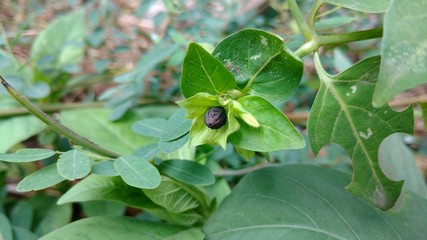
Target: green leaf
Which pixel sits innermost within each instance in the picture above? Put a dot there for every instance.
(171, 146)
(187, 171)
(20, 233)
(27, 155)
(151, 127)
(201, 72)
(368, 6)
(192, 233)
(148, 152)
(22, 215)
(18, 129)
(342, 113)
(104, 168)
(5, 228)
(309, 202)
(174, 196)
(113, 227)
(137, 172)
(177, 126)
(43, 178)
(96, 187)
(62, 40)
(404, 50)
(73, 165)
(103, 208)
(116, 136)
(275, 130)
(391, 154)
(56, 217)
(260, 63)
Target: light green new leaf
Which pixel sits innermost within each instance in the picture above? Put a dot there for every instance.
(73, 165)
(137, 172)
(342, 113)
(201, 72)
(260, 63)
(309, 202)
(96, 187)
(174, 196)
(27, 155)
(62, 40)
(43, 178)
(113, 227)
(404, 50)
(274, 133)
(368, 6)
(187, 171)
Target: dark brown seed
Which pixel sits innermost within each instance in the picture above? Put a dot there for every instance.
(215, 117)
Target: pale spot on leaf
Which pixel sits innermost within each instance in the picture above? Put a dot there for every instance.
(366, 135)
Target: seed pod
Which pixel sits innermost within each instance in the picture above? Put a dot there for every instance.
(215, 117)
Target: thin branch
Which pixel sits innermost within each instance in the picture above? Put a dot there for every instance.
(240, 172)
(299, 18)
(54, 125)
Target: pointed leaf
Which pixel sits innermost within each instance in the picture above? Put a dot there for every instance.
(259, 58)
(27, 155)
(342, 113)
(404, 50)
(201, 72)
(275, 130)
(113, 227)
(96, 187)
(187, 171)
(73, 165)
(137, 172)
(43, 178)
(309, 202)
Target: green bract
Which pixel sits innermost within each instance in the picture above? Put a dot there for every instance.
(257, 69)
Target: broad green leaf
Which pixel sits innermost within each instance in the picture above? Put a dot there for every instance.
(73, 165)
(201, 72)
(174, 196)
(22, 215)
(18, 128)
(56, 217)
(275, 130)
(188, 218)
(192, 233)
(309, 202)
(260, 63)
(137, 172)
(187, 171)
(20, 233)
(151, 127)
(116, 136)
(104, 168)
(5, 228)
(171, 146)
(177, 126)
(398, 162)
(103, 208)
(148, 152)
(62, 41)
(96, 187)
(43, 178)
(404, 50)
(27, 155)
(368, 6)
(113, 227)
(343, 113)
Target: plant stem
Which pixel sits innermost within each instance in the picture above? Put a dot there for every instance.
(334, 39)
(225, 173)
(311, 17)
(299, 18)
(54, 125)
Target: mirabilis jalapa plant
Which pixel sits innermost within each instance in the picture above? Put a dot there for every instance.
(244, 73)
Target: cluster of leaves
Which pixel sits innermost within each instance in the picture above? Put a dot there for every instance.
(164, 168)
